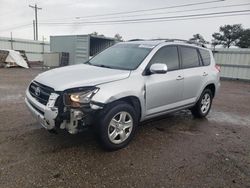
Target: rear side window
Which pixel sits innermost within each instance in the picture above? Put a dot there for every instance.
(167, 55)
(190, 57)
(205, 55)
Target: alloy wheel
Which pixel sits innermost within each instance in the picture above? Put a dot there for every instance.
(120, 127)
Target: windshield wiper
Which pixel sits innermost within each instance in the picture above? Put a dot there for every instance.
(101, 65)
(105, 66)
(88, 63)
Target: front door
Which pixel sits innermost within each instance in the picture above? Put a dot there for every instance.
(164, 91)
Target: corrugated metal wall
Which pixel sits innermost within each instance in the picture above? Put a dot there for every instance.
(64, 44)
(76, 45)
(235, 63)
(34, 49)
(80, 47)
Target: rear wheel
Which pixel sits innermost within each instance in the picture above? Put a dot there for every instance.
(117, 125)
(203, 105)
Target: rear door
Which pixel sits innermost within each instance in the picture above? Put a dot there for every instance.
(164, 91)
(193, 73)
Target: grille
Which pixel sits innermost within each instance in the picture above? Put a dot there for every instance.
(40, 92)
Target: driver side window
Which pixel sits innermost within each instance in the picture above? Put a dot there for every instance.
(167, 55)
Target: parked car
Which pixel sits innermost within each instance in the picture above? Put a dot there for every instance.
(125, 84)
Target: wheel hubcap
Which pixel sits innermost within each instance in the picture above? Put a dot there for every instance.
(205, 103)
(120, 127)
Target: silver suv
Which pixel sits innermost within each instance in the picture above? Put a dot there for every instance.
(125, 84)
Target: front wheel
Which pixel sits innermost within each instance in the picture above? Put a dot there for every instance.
(203, 105)
(117, 125)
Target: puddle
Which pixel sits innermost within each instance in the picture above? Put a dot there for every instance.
(228, 117)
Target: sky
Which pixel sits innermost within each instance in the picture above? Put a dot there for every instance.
(16, 16)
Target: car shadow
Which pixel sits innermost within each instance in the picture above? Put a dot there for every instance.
(169, 124)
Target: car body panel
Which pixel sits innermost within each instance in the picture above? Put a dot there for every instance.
(163, 91)
(80, 75)
(193, 81)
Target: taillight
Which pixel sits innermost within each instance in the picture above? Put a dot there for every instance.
(217, 67)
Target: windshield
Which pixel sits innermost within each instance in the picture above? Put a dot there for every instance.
(121, 56)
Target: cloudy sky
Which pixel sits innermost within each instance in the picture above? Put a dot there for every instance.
(62, 17)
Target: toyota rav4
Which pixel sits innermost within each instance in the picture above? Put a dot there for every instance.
(125, 84)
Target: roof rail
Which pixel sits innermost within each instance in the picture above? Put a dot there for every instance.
(144, 39)
(172, 40)
(135, 40)
(186, 41)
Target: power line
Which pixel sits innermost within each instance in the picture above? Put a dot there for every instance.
(174, 19)
(196, 18)
(178, 11)
(153, 9)
(16, 27)
(145, 10)
(190, 10)
(147, 19)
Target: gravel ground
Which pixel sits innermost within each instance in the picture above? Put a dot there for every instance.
(172, 151)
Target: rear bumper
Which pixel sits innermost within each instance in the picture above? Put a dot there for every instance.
(217, 87)
(44, 114)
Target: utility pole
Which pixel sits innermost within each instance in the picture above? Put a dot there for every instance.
(34, 29)
(11, 41)
(36, 23)
(43, 44)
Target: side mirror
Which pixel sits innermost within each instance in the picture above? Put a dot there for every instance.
(158, 68)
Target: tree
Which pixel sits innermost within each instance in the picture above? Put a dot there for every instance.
(118, 37)
(94, 33)
(229, 35)
(214, 43)
(199, 38)
(97, 34)
(244, 41)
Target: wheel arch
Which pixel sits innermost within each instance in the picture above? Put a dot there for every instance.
(134, 102)
(212, 87)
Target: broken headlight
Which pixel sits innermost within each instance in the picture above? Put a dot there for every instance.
(79, 99)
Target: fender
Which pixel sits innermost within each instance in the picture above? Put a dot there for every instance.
(110, 92)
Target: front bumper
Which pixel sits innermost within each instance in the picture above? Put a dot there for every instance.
(45, 114)
(51, 117)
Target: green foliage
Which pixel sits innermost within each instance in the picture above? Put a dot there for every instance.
(199, 38)
(94, 33)
(97, 34)
(229, 35)
(244, 41)
(118, 37)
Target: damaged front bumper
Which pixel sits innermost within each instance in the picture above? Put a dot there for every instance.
(51, 117)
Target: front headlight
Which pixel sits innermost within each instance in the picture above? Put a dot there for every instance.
(79, 99)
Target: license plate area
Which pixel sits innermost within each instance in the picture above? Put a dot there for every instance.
(52, 100)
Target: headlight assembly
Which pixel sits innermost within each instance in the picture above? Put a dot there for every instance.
(79, 99)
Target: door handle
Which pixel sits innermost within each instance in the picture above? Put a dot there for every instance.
(205, 74)
(179, 78)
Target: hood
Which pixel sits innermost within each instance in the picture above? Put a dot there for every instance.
(79, 76)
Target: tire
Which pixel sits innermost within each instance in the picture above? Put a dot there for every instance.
(116, 125)
(203, 105)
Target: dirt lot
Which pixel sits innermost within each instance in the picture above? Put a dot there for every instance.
(174, 151)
